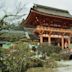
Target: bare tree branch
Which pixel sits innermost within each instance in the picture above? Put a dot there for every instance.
(19, 8)
(13, 16)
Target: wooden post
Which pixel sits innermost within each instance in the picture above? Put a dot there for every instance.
(62, 42)
(49, 39)
(41, 39)
(68, 41)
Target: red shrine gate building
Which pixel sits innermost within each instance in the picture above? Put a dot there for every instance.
(51, 25)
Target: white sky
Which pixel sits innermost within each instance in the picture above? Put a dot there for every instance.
(62, 4)
(10, 6)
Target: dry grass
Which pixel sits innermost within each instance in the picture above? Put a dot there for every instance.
(41, 69)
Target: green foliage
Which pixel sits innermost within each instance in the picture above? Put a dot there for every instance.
(3, 67)
(60, 56)
(41, 69)
(15, 59)
(56, 57)
(65, 56)
(50, 63)
(20, 59)
(12, 37)
(49, 49)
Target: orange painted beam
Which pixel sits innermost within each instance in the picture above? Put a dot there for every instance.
(50, 29)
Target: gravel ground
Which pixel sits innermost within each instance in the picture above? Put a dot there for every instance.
(65, 69)
(66, 66)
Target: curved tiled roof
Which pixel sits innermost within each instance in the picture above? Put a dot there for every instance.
(51, 10)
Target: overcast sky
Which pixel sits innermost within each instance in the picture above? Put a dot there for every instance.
(11, 6)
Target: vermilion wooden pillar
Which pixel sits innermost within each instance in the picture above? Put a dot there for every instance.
(49, 40)
(68, 41)
(62, 42)
(41, 39)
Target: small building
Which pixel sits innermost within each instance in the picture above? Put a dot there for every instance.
(51, 25)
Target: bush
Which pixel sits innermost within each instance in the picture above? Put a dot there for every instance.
(50, 63)
(3, 66)
(59, 57)
(15, 58)
(40, 69)
(49, 49)
(65, 56)
(56, 57)
(34, 63)
(20, 58)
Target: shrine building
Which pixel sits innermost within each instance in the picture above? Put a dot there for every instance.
(51, 25)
